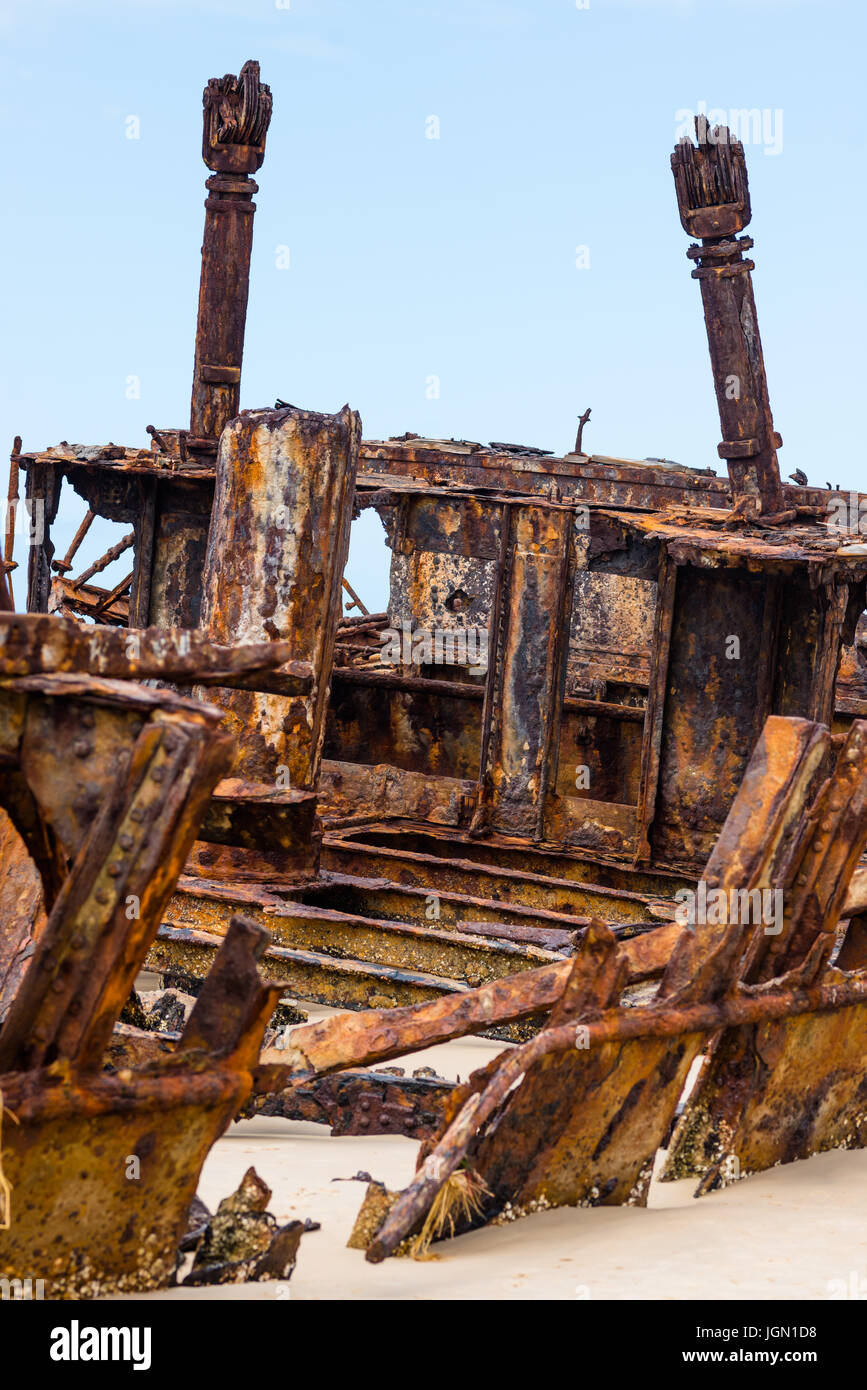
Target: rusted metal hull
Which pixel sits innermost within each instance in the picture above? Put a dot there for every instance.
(81, 1220)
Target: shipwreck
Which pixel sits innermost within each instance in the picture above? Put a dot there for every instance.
(644, 689)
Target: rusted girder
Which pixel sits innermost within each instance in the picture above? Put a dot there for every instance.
(526, 668)
(65, 565)
(31, 645)
(113, 553)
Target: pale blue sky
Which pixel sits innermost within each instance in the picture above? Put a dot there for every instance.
(412, 257)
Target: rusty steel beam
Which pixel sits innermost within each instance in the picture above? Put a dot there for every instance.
(372, 791)
(426, 466)
(526, 669)
(65, 565)
(31, 644)
(499, 885)
(113, 553)
(377, 1035)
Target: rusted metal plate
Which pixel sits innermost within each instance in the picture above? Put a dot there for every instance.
(590, 479)
(276, 553)
(77, 1218)
(276, 821)
(413, 727)
(526, 670)
(713, 714)
(774, 1093)
(178, 550)
(350, 790)
(32, 645)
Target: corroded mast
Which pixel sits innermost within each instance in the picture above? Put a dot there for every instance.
(237, 112)
(714, 203)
